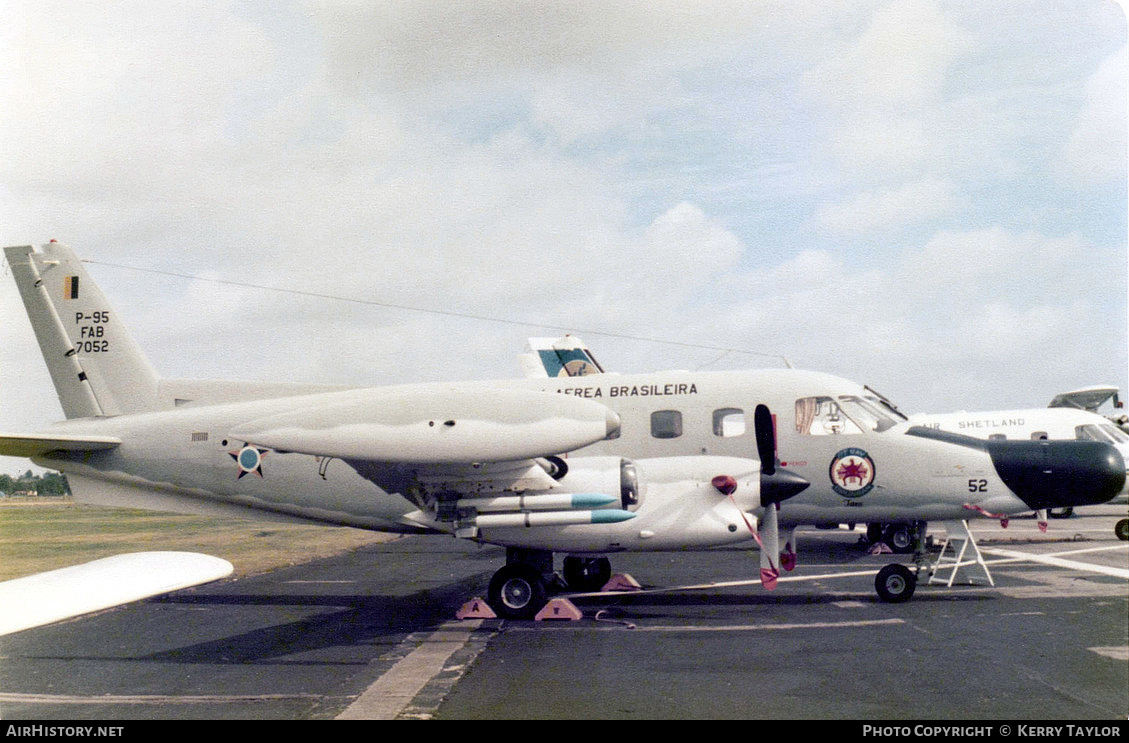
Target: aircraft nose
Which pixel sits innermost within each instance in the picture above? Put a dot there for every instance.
(1055, 474)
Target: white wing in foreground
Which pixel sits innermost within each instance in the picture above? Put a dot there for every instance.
(48, 597)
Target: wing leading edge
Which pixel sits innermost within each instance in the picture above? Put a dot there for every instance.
(49, 597)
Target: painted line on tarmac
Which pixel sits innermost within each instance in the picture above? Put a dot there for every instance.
(1117, 653)
(394, 691)
(1056, 560)
(159, 699)
(732, 627)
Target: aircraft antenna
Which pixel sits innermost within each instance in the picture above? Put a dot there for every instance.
(450, 313)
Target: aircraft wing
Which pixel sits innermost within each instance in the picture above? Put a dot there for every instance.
(49, 597)
(34, 445)
(1087, 398)
(429, 426)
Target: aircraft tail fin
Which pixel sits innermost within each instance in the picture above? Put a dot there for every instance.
(96, 366)
(559, 357)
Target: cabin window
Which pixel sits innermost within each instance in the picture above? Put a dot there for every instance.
(1039, 436)
(666, 424)
(728, 422)
(997, 437)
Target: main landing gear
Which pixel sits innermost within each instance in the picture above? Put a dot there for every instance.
(522, 587)
(898, 537)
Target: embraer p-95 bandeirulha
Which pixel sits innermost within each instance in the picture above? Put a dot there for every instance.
(585, 466)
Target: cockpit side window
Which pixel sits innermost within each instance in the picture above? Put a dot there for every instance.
(828, 416)
(822, 416)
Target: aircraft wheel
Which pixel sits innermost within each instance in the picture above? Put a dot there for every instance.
(1121, 529)
(1060, 513)
(900, 538)
(895, 583)
(585, 574)
(517, 591)
(874, 532)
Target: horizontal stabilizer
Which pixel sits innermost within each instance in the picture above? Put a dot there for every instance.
(34, 444)
(49, 597)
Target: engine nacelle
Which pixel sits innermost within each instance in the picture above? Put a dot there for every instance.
(675, 503)
(613, 476)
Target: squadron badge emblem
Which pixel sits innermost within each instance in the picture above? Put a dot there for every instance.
(852, 473)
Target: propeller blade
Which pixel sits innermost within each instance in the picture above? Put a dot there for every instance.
(769, 533)
(766, 439)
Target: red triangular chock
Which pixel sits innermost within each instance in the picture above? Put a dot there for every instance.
(476, 608)
(881, 548)
(622, 582)
(559, 609)
(788, 561)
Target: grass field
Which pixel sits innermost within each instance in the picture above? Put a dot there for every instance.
(48, 533)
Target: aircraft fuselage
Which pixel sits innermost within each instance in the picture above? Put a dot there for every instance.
(185, 458)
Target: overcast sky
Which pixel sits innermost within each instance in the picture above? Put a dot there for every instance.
(928, 197)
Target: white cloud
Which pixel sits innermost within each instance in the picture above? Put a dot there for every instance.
(885, 87)
(889, 210)
(712, 174)
(1096, 151)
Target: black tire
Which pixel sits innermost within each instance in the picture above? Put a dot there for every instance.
(900, 538)
(586, 574)
(874, 532)
(895, 583)
(1060, 513)
(517, 591)
(1121, 529)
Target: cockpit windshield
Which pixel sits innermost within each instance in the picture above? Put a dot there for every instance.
(845, 414)
(1104, 432)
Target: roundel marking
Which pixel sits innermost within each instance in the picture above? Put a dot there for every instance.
(250, 461)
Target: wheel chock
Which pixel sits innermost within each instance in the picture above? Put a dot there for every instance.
(559, 608)
(476, 608)
(880, 548)
(622, 582)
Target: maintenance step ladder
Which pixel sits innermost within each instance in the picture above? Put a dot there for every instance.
(959, 551)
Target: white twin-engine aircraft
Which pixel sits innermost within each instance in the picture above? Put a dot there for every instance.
(582, 465)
